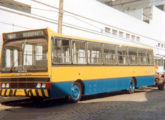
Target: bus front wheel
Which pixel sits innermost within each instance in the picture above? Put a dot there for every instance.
(76, 92)
(132, 86)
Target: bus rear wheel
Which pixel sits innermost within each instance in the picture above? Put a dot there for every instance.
(76, 92)
(132, 86)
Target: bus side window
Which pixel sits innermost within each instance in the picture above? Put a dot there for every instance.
(78, 52)
(61, 51)
(122, 55)
(142, 59)
(109, 54)
(150, 57)
(132, 54)
(94, 53)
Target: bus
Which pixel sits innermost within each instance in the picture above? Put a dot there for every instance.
(43, 64)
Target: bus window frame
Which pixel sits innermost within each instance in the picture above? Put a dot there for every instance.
(46, 38)
(102, 63)
(105, 46)
(123, 48)
(136, 57)
(77, 53)
(60, 38)
(142, 49)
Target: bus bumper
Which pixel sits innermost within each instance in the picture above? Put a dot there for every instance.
(24, 93)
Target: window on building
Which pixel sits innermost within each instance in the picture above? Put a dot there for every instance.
(107, 30)
(138, 39)
(127, 36)
(114, 32)
(158, 44)
(162, 45)
(161, 7)
(133, 37)
(121, 34)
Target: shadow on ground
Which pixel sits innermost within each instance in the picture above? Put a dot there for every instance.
(39, 103)
(27, 102)
(151, 109)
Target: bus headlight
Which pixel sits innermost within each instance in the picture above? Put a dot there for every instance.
(38, 85)
(3, 85)
(7, 85)
(43, 85)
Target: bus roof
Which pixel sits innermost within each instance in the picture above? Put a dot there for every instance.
(95, 40)
(81, 38)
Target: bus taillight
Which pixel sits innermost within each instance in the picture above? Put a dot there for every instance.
(4, 85)
(48, 85)
(43, 85)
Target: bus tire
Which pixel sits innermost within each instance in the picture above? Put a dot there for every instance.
(76, 92)
(132, 86)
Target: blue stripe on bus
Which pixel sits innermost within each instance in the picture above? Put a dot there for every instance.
(61, 89)
(145, 81)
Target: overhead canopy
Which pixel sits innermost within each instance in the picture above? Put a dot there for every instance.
(133, 4)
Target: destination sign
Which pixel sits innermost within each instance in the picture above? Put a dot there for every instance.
(27, 34)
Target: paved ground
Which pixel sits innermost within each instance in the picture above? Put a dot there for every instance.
(145, 104)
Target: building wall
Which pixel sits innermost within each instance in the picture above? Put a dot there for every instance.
(83, 18)
(138, 13)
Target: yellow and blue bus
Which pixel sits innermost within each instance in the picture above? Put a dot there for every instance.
(44, 64)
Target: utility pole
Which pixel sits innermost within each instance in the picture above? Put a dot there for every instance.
(60, 16)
